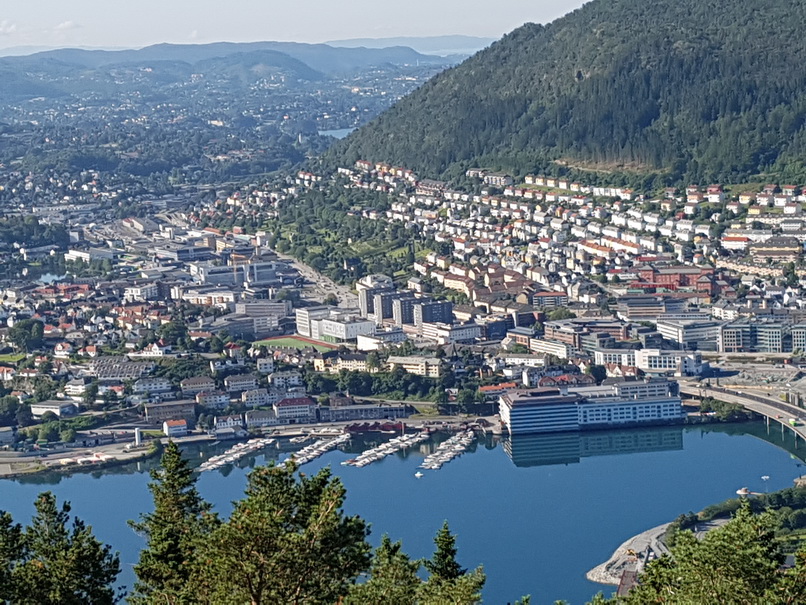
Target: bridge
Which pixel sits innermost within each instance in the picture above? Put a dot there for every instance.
(771, 409)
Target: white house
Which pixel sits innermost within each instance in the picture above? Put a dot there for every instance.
(175, 428)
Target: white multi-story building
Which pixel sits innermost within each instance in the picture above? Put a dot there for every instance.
(254, 398)
(213, 399)
(558, 349)
(617, 356)
(444, 334)
(265, 365)
(308, 320)
(658, 361)
(285, 380)
(342, 330)
(416, 364)
(691, 334)
(152, 384)
(240, 382)
(378, 340)
(295, 409)
(141, 292)
(260, 418)
(234, 421)
(548, 411)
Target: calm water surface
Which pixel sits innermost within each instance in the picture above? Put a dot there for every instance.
(537, 512)
(338, 133)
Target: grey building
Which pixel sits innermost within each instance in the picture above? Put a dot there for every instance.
(433, 311)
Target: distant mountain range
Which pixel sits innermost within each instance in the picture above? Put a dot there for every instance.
(428, 45)
(694, 90)
(68, 71)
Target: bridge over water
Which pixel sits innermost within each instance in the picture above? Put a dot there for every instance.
(770, 408)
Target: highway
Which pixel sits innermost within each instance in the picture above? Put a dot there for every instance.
(766, 406)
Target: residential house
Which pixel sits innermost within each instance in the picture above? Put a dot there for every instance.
(175, 428)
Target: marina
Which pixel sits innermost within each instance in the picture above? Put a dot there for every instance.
(448, 450)
(235, 453)
(319, 447)
(390, 447)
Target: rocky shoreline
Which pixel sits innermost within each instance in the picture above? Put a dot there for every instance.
(631, 555)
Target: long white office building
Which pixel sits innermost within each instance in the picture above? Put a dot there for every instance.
(547, 410)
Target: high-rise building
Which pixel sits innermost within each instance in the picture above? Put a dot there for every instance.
(428, 310)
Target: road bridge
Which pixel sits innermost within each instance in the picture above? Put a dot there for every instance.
(771, 409)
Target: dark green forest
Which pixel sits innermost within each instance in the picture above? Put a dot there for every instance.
(684, 90)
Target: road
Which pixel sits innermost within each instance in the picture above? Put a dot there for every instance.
(323, 284)
(765, 406)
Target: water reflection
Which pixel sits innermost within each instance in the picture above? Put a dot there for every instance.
(523, 450)
(570, 448)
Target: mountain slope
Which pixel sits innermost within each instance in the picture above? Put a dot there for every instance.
(696, 89)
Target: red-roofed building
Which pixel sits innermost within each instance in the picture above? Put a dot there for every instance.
(494, 391)
(175, 428)
(566, 380)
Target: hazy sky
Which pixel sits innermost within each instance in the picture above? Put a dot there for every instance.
(133, 23)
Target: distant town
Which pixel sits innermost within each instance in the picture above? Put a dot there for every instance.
(538, 296)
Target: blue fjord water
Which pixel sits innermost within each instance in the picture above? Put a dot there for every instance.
(537, 512)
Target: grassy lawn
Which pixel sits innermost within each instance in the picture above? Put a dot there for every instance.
(425, 409)
(12, 357)
(295, 343)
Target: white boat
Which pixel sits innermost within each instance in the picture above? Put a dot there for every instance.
(418, 474)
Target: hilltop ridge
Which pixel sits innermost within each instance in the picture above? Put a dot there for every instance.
(702, 90)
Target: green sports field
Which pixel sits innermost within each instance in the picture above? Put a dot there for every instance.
(295, 343)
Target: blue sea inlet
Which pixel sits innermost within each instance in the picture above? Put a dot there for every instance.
(537, 511)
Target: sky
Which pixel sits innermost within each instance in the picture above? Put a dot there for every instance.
(137, 23)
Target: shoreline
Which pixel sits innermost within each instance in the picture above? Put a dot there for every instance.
(623, 559)
(646, 546)
(38, 468)
(16, 467)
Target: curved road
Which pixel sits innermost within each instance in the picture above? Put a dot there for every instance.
(765, 406)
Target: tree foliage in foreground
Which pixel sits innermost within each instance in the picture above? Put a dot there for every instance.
(173, 533)
(394, 579)
(53, 561)
(288, 541)
(739, 563)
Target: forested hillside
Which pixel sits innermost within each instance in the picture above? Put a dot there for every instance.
(701, 90)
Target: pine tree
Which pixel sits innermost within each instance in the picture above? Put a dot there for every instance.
(464, 590)
(10, 553)
(449, 582)
(181, 518)
(288, 541)
(443, 564)
(393, 578)
(54, 562)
